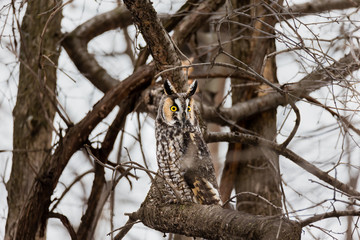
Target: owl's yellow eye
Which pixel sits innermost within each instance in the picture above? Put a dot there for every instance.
(173, 108)
(189, 108)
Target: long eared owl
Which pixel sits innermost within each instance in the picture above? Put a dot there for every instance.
(183, 157)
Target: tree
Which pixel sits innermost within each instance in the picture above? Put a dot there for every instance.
(249, 44)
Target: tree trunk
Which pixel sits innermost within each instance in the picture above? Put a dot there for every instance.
(249, 168)
(34, 110)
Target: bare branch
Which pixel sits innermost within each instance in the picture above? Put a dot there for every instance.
(319, 7)
(195, 20)
(65, 221)
(312, 82)
(39, 196)
(258, 141)
(63, 194)
(346, 123)
(252, 194)
(89, 219)
(297, 123)
(75, 44)
(125, 229)
(337, 214)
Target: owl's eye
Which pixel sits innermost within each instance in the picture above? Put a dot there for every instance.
(189, 108)
(173, 108)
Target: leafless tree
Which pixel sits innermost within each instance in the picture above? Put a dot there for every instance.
(290, 72)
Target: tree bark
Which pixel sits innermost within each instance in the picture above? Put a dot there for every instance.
(37, 204)
(248, 168)
(158, 41)
(214, 222)
(34, 110)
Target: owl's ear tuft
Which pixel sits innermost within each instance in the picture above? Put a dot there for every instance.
(192, 89)
(169, 88)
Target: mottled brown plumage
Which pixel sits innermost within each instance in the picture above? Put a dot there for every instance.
(183, 157)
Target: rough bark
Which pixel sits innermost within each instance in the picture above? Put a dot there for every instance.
(247, 168)
(214, 222)
(241, 50)
(34, 110)
(158, 41)
(180, 218)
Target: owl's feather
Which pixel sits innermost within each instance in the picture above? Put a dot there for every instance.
(183, 157)
(205, 193)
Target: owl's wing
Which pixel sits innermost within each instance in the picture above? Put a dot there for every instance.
(204, 192)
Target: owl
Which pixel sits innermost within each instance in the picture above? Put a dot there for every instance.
(183, 157)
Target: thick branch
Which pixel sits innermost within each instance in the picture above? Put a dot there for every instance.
(159, 42)
(34, 111)
(312, 82)
(94, 206)
(214, 222)
(257, 141)
(195, 20)
(39, 197)
(75, 44)
(319, 7)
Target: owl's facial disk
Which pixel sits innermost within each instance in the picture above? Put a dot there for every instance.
(178, 110)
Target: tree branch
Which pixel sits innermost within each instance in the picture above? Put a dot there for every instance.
(38, 200)
(337, 214)
(75, 44)
(159, 42)
(297, 10)
(195, 20)
(258, 141)
(65, 221)
(90, 218)
(312, 82)
(214, 222)
(346, 123)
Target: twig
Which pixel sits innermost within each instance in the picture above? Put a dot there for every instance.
(65, 221)
(140, 141)
(252, 194)
(125, 229)
(254, 140)
(337, 214)
(297, 123)
(346, 123)
(78, 178)
(89, 152)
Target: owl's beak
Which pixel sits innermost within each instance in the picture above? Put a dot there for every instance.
(183, 117)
